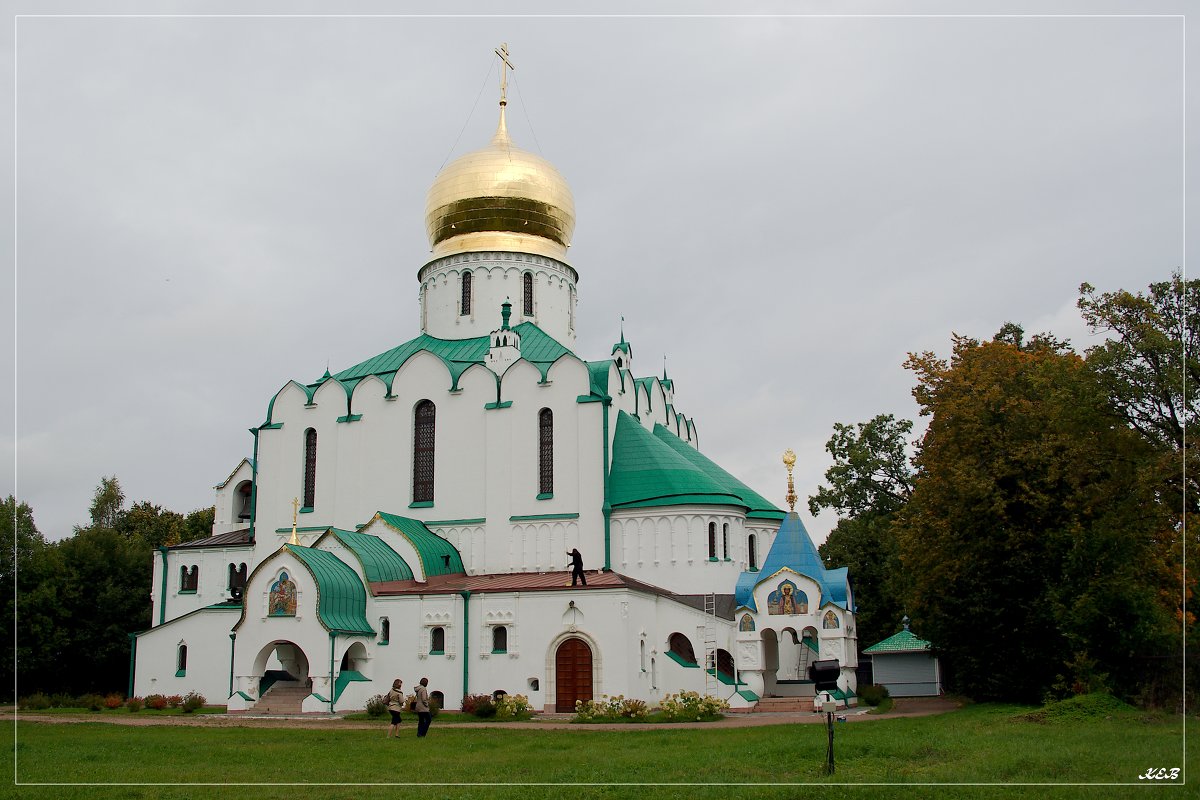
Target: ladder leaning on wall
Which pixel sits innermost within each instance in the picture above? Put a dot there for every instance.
(710, 645)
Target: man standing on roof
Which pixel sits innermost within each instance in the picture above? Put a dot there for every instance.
(576, 566)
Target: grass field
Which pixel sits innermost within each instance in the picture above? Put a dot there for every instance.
(978, 744)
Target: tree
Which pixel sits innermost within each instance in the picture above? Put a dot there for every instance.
(1031, 542)
(869, 481)
(871, 473)
(21, 546)
(108, 504)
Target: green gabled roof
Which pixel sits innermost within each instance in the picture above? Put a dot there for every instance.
(646, 472)
(379, 561)
(902, 642)
(760, 507)
(431, 548)
(342, 598)
(537, 347)
(645, 383)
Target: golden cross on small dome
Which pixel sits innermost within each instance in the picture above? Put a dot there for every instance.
(295, 509)
(505, 66)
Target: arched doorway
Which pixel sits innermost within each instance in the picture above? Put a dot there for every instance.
(280, 661)
(572, 674)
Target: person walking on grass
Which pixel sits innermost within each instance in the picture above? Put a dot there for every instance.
(424, 715)
(395, 704)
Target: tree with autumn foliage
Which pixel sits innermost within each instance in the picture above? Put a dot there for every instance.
(1038, 555)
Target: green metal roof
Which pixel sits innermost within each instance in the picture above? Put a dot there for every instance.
(341, 596)
(599, 372)
(379, 561)
(646, 472)
(432, 549)
(902, 642)
(760, 507)
(537, 347)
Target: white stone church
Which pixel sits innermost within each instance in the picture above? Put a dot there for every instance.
(411, 515)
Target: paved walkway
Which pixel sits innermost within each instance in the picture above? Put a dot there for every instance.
(906, 707)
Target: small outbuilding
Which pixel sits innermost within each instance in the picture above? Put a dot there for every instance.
(906, 665)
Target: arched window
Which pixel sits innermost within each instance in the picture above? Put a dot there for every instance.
(237, 576)
(725, 663)
(437, 642)
(725, 540)
(653, 675)
(385, 630)
(499, 639)
(642, 655)
(181, 661)
(310, 468)
(712, 541)
(189, 579)
(466, 294)
(241, 500)
(545, 452)
(438, 699)
(527, 294)
(423, 431)
(752, 548)
(681, 646)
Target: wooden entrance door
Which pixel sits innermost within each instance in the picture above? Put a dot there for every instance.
(573, 674)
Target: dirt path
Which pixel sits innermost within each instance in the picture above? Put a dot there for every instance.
(907, 707)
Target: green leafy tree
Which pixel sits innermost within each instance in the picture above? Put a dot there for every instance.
(198, 524)
(151, 524)
(108, 504)
(21, 548)
(1031, 544)
(870, 480)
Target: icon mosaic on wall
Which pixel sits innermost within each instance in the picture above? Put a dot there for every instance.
(787, 599)
(282, 599)
(746, 623)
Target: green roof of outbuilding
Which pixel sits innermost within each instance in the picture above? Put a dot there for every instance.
(537, 347)
(379, 561)
(438, 556)
(646, 472)
(342, 598)
(760, 507)
(902, 642)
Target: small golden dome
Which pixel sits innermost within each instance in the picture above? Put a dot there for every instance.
(500, 198)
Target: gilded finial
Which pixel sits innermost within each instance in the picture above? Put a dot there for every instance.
(505, 66)
(295, 511)
(789, 461)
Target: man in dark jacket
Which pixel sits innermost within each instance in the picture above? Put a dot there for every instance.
(576, 567)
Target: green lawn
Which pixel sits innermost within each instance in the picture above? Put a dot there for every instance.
(983, 744)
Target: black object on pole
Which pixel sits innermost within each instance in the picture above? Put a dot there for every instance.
(825, 674)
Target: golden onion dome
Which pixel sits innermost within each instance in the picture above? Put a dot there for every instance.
(500, 198)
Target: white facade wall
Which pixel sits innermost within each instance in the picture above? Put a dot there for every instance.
(212, 586)
(229, 503)
(206, 635)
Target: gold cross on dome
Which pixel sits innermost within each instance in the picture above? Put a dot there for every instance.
(505, 66)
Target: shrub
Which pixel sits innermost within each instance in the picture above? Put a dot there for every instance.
(156, 702)
(92, 702)
(193, 701)
(174, 700)
(512, 706)
(610, 708)
(113, 700)
(473, 701)
(688, 706)
(64, 700)
(134, 704)
(873, 695)
(35, 702)
(376, 706)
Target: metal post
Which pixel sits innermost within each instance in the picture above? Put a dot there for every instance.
(829, 757)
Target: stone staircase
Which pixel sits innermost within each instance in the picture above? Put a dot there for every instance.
(782, 704)
(284, 697)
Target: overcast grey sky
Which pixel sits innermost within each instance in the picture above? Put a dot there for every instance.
(208, 207)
